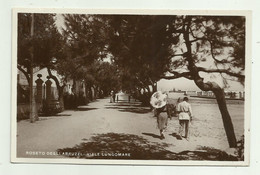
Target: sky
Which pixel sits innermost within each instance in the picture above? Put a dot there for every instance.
(59, 21)
(185, 84)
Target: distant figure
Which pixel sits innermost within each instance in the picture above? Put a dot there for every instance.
(111, 96)
(114, 97)
(185, 116)
(117, 97)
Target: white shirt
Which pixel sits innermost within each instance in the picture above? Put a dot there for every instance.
(185, 110)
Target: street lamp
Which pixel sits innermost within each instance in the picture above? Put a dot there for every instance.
(33, 110)
(53, 60)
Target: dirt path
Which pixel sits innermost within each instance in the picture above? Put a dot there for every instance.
(109, 127)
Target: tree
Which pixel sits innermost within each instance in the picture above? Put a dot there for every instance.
(140, 48)
(220, 40)
(101, 76)
(146, 48)
(107, 77)
(38, 43)
(83, 46)
(171, 47)
(44, 44)
(84, 38)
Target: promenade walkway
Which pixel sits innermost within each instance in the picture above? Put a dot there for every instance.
(103, 127)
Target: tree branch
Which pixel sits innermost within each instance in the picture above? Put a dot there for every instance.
(210, 43)
(211, 47)
(54, 78)
(178, 75)
(181, 54)
(221, 71)
(81, 57)
(212, 54)
(24, 72)
(179, 31)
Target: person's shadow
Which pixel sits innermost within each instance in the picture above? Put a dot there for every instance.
(152, 135)
(178, 137)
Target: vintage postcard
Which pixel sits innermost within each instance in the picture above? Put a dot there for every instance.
(139, 87)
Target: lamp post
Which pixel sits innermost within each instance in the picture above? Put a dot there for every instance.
(53, 60)
(33, 110)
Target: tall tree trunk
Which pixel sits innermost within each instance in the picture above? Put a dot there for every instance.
(95, 92)
(90, 94)
(59, 87)
(145, 97)
(86, 93)
(154, 87)
(60, 98)
(74, 88)
(220, 97)
(148, 91)
(26, 73)
(228, 125)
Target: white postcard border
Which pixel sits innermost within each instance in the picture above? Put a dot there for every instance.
(247, 113)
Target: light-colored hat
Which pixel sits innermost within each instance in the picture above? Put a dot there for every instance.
(158, 99)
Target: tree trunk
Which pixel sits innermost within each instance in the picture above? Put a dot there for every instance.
(90, 93)
(220, 96)
(59, 87)
(154, 87)
(61, 99)
(26, 73)
(95, 92)
(86, 94)
(144, 97)
(148, 91)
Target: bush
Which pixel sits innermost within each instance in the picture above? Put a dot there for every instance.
(240, 148)
(51, 108)
(23, 111)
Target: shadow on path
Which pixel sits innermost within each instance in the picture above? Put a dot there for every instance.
(139, 110)
(116, 146)
(178, 137)
(84, 109)
(152, 135)
(207, 153)
(124, 104)
(112, 143)
(129, 107)
(54, 115)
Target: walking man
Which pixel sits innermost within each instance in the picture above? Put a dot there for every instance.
(185, 116)
(111, 97)
(114, 97)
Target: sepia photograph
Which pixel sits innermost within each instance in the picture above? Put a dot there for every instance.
(139, 87)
